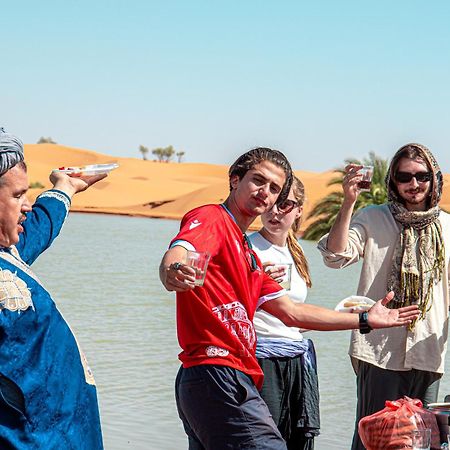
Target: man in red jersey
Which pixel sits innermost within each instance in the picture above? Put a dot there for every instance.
(217, 385)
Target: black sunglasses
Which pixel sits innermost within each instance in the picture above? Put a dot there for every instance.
(286, 206)
(250, 256)
(406, 177)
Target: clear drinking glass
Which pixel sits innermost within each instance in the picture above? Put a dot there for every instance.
(421, 439)
(365, 183)
(286, 281)
(199, 261)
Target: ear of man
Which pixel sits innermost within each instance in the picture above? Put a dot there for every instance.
(234, 180)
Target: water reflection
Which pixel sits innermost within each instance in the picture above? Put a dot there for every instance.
(103, 274)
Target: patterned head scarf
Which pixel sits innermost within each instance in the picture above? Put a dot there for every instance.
(419, 257)
(11, 151)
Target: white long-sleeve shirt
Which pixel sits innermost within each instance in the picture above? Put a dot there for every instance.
(373, 236)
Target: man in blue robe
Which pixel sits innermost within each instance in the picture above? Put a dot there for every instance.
(48, 398)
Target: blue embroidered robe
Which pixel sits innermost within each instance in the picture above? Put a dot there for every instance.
(48, 398)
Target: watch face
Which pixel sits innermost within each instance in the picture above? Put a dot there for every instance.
(364, 326)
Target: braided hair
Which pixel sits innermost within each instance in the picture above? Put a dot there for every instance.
(301, 264)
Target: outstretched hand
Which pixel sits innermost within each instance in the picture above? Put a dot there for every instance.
(72, 185)
(382, 317)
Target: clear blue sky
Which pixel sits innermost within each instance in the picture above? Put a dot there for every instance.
(319, 80)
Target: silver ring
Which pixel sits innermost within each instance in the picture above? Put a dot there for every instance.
(176, 265)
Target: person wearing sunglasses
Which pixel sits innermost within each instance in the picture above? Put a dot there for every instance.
(288, 360)
(405, 248)
(216, 388)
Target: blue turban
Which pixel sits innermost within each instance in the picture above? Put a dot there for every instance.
(11, 151)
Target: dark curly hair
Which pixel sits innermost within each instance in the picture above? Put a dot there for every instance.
(257, 155)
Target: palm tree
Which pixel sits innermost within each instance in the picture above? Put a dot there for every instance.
(144, 151)
(168, 153)
(164, 153)
(326, 210)
(159, 153)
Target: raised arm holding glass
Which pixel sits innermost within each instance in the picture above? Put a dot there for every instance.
(405, 248)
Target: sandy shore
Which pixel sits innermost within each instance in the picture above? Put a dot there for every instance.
(154, 189)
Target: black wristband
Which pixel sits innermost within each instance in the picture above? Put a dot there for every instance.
(364, 326)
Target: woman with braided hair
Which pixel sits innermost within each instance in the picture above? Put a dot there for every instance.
(405, 247)
(288, 360)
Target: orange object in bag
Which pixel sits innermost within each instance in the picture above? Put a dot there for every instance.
(392, 427)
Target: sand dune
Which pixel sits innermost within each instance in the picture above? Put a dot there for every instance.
(154, 189)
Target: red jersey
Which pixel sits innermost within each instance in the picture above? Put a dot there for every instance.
(215, 321)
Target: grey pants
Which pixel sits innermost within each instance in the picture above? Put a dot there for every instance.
(376, 385)
(221, 408)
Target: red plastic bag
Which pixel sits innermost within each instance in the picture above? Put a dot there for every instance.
(391, 427)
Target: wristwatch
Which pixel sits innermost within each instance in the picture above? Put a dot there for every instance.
(364, 326)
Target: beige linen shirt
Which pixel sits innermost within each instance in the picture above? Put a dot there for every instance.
(373, 236)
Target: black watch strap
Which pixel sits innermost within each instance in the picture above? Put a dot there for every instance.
(364, 326)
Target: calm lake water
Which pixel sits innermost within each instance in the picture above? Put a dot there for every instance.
(103, 273)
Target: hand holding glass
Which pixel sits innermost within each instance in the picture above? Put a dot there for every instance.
(365, 183)
(285, 282)
(199, 262)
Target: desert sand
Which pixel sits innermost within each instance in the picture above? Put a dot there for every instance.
(155, 189)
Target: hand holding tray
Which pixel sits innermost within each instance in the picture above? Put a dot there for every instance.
(89, 170)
